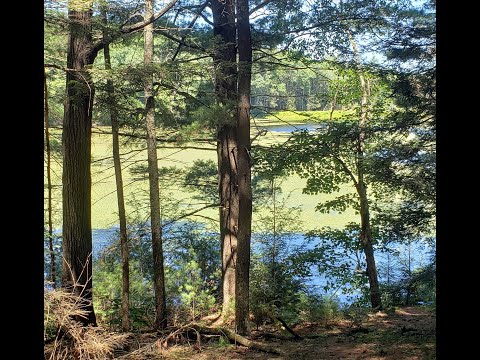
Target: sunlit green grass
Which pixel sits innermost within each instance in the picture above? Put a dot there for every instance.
(104, 202)
(299, 117)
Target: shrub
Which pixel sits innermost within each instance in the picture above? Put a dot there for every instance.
(317, 308)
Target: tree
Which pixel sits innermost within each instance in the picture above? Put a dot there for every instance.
(49, 186)
(224, 59)
(409, 164)
(337, 153)
(361, 187)
(155, 220)
(392, 146)
(119, 183)
(242, 270)
(224, 113)
(342, 22)
(76, 143)
(277, 279)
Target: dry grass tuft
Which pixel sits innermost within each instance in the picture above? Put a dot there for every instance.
(66, 338)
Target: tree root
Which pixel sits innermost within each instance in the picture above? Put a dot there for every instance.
(200, 330)
(197, 331)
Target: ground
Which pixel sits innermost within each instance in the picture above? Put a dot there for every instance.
(406, 333)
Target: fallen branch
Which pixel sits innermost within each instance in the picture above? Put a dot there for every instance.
(295, 335)
(201, 330)
(236, 338)
(163, 343)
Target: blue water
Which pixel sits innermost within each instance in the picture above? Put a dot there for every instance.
(419, 256)
(289, 128)
(101, 238)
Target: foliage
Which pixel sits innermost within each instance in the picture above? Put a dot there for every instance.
(338, 258)
(216, 115)
(276, 283)
(274, 291)
(397, 152)
(192, 271)
(291, 85)
(417, 286)
(315, 72)
(202, 179)
(301, 117)
(316, 308)
(107, 285)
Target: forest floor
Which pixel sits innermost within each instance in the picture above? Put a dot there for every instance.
(407, 333)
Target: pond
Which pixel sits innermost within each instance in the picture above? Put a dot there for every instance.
(387, 265)
(287, 128)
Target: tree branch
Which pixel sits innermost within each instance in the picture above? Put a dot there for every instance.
(136, 136)
(141, 25)
(132, 28)
(189, 27)
(259, 6)
(59, 67)
(190, 213)
(346, 169)
(290, 330)
(183, 93)
(179, 41)
(207, 20)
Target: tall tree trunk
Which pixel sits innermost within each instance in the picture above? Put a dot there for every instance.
(119, 184)
(409, 276)
(76, 144)
(244, 173)
(365, 228)
(226, 94)
(366, 240)
(274, 242)
(227, 153)
(155, 218)
(49, 188)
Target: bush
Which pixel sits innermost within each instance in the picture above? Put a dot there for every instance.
(317, 308)
(417, 287)
(192, 270)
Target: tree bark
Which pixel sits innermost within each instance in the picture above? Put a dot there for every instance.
(49, 187)
(244, 173)
(76, 144)
(366, 240)
(227, 153)
(155, 217)
(224, 60)
(119, 186)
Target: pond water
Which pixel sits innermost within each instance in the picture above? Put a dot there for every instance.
(287, 128)
(418, 250)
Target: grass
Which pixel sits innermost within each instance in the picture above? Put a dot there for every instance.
(104, 202)
(299, 117)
